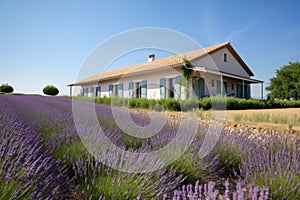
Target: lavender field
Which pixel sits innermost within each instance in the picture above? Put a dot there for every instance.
(42, 157)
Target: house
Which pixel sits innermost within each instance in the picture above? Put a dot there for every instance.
(214, 70)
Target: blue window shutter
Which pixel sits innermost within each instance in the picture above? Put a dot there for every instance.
(98, 91)
(162, 88)
(248, 93)
(110, 89)
(144, 89)
(120, 88)
(130, 89)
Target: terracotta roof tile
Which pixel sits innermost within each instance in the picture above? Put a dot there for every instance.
(167, 62)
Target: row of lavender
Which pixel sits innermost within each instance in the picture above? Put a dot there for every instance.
(270, 162)
(27, 168)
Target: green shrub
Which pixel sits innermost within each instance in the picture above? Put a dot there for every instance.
(131, 142)
(280, 185)
(118, 101)
(218, 103)
(205, 103)
(157, 107)
(143, 103)
(232, 103)
(50, 90)
(173, 104)
(243, 104)
(192, 167)
(103, 100)
(230, 159)
(189, 104)
(7, 190)
(70, 151)
(152, 103)
(5, 88)
(113, 186)
(132, 103)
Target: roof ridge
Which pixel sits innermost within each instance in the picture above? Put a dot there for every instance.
(172, 60)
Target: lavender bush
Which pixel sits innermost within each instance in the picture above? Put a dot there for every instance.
(274, 162)
(27, 170)
(42, 157)
(208, 191)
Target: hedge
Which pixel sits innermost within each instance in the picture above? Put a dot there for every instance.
(217, 103)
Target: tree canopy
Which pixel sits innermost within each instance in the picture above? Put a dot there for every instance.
(286, 83)
(6, 88)
(50, 90)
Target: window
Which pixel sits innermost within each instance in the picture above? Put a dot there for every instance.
(98, 91)
(120, 90)
(232, 86)
(92, 91)
(212, 83)
(177, 87)
(130, 87)
(144, 89)
(162, 88)
(110, 89)
(138, 90)
(225, 57)
(115, 90)
(223, 89)
(86, 91)
(172, 87)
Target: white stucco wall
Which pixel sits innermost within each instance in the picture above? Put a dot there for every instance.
(153, 83)
(215, 61)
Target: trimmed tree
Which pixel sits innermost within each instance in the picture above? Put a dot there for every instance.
(50, 90)
(5, 88)
(286, 83)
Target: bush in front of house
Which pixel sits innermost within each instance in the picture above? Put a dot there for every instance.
(5, 88)
(117, 101)
(189, 104)
(50, 90)
(206, 103)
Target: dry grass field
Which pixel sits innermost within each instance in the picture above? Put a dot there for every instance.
(277, 119)
(284, 120)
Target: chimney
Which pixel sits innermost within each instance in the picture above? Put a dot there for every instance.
(151, 57)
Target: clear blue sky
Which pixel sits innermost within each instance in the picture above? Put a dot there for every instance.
(45, 42)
